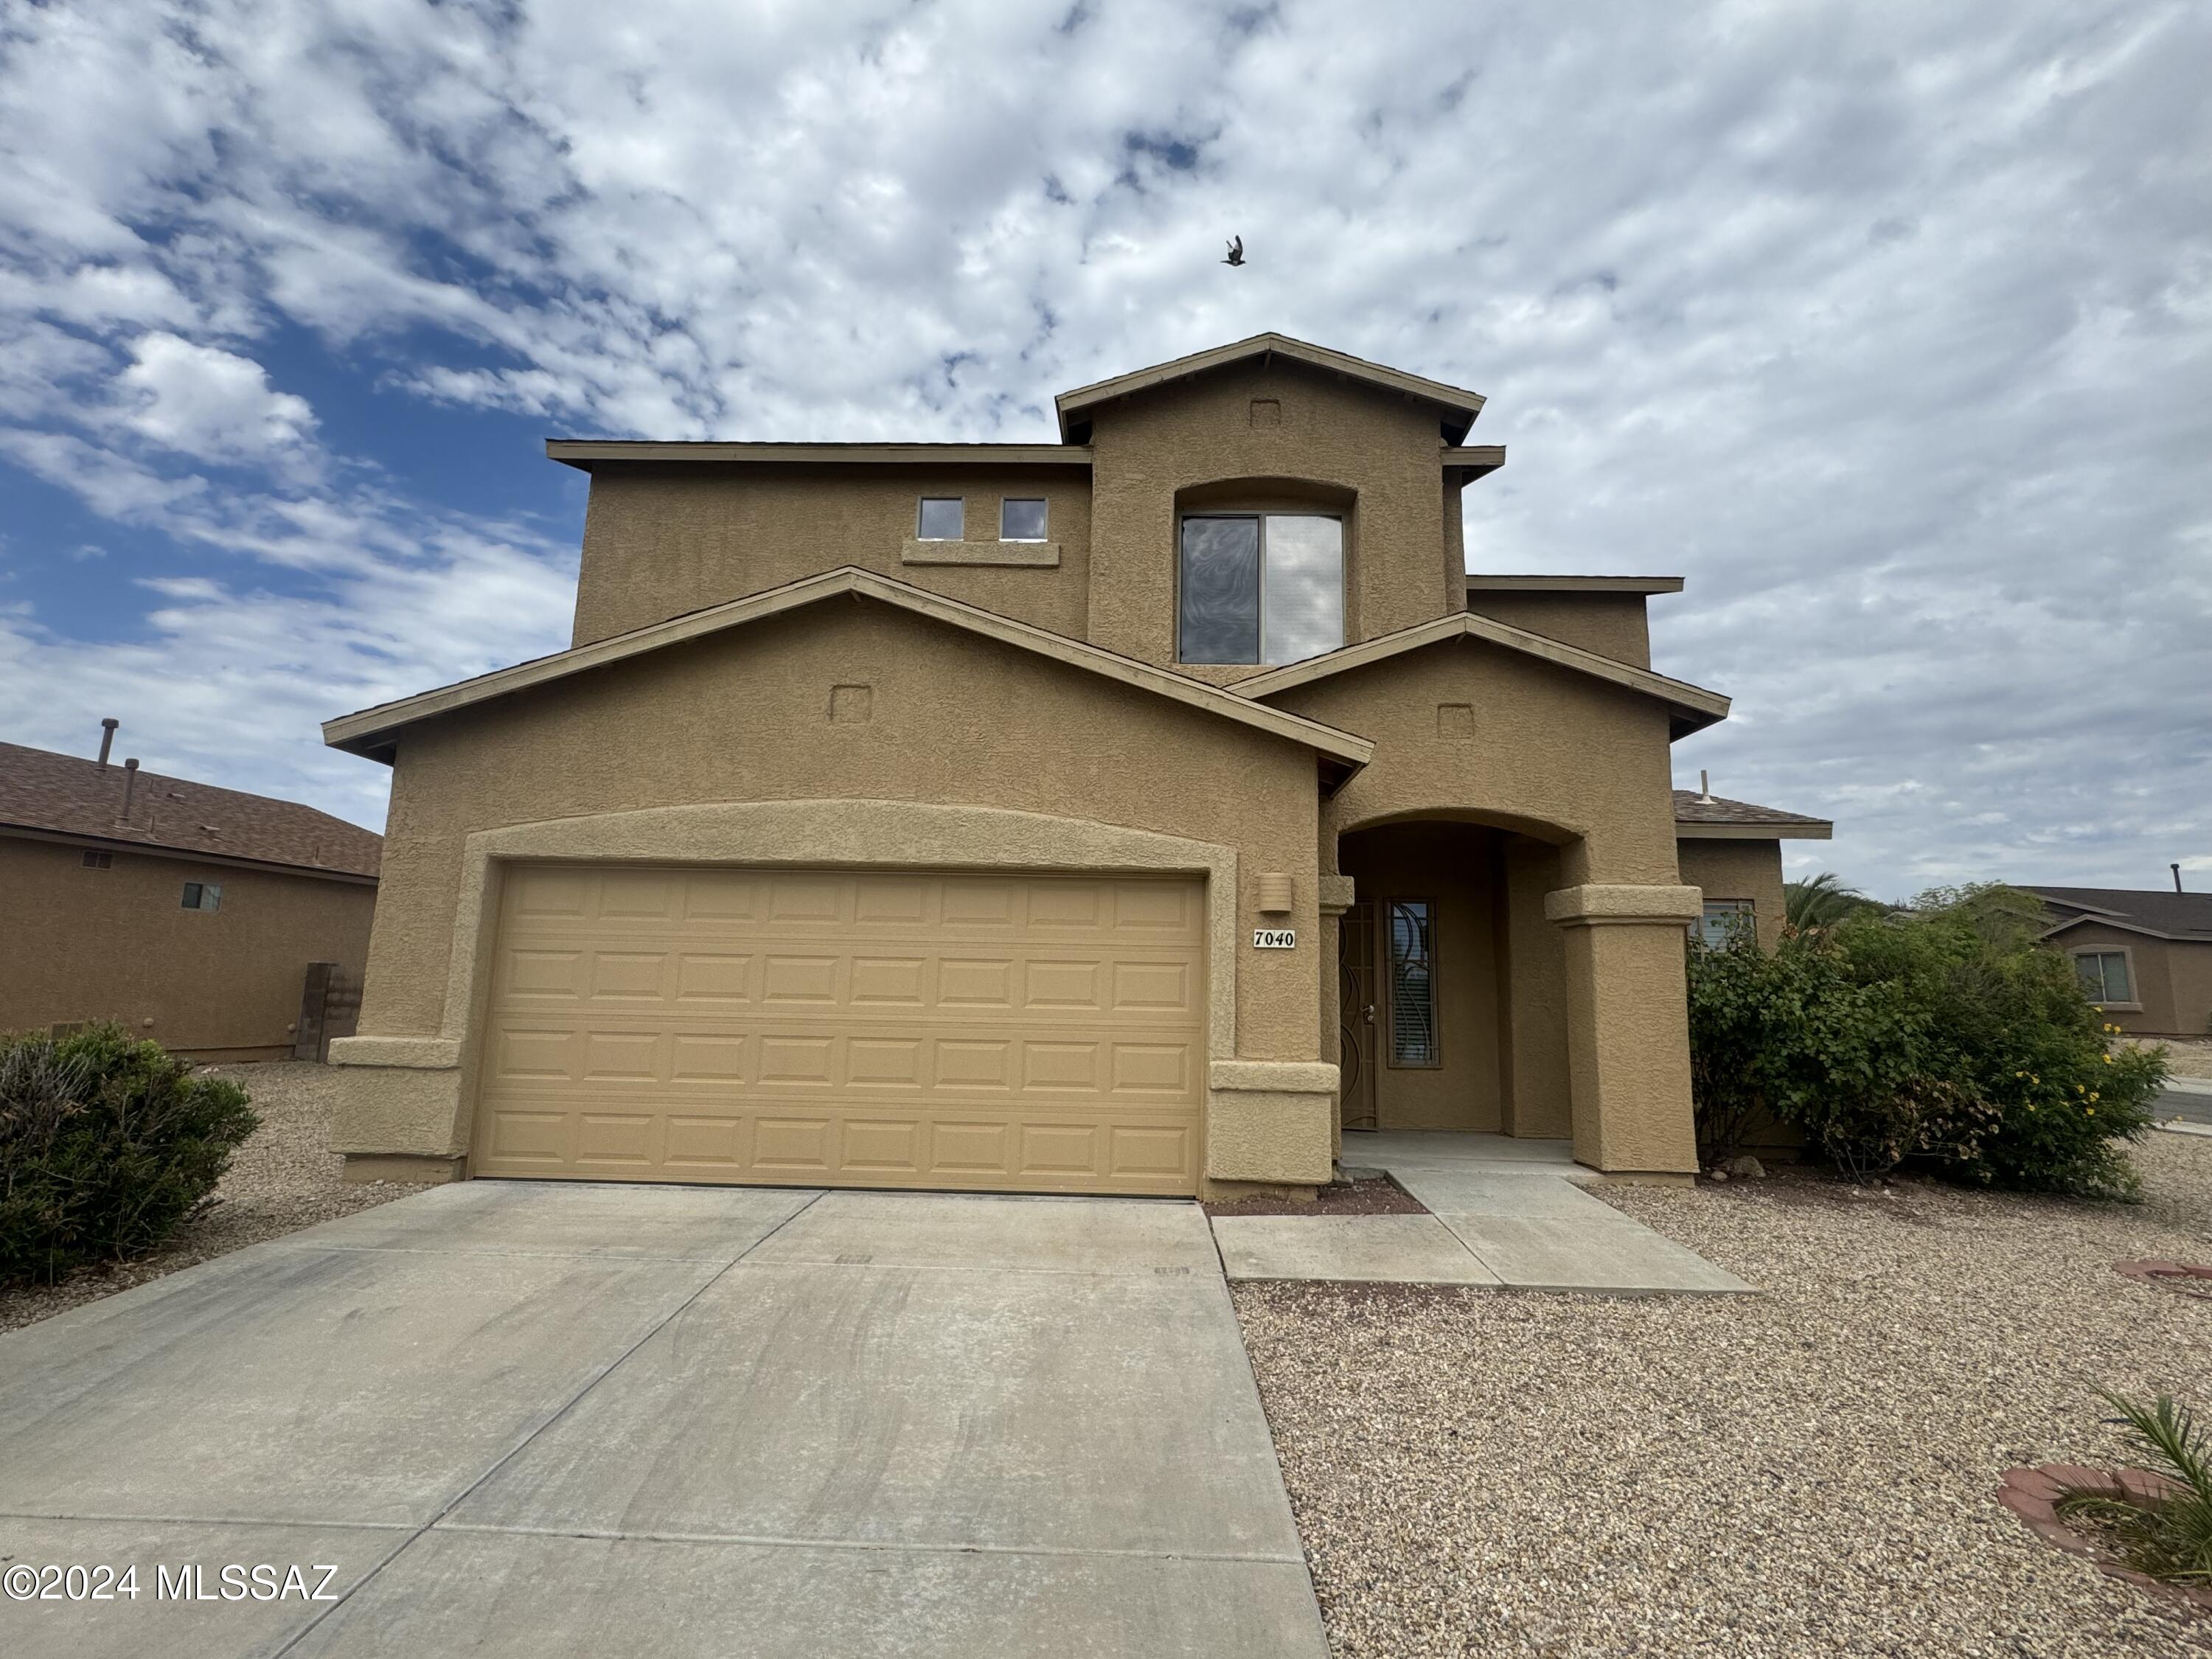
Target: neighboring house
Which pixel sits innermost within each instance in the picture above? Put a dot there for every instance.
(1732, 851)
(189, 913)
(2145, 957)
(1123, 814)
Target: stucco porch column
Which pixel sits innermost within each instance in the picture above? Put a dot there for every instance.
(1628, 1030)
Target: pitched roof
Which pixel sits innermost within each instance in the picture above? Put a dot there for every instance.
(2153, 911)
(68, 795)
(1710, 818)
(1692, 707)
(375, 731)
(1459, 406)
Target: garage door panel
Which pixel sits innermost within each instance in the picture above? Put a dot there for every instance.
(928, 1028)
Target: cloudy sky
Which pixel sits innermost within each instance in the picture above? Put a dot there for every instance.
(1887, 325)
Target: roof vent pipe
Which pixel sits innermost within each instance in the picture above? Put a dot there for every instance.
(2177, 876)
(107, 736)
(129, 783)
(1704, 786)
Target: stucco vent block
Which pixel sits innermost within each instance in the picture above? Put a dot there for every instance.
(852, 705)
(1455, 721)
(1266, 412)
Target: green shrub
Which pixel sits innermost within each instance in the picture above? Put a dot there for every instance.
(106, 1145)
(1940, 1032)
(1795, 1038)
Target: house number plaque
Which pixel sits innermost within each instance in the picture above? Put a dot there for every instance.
(1274, 938)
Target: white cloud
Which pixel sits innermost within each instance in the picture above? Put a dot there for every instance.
(1889, 329)
(204, 401)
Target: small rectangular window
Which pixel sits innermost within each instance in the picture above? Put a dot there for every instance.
(203, 895)
(944, 519)
(2105, 975)
(1725, 921)
(1021, 519)
(99, 860)
(1413, 983)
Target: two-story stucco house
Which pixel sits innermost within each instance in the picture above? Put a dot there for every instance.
(1126, 814)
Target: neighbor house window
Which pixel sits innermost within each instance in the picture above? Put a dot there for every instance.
(1021, 519)
(2105, 975)
(1724, 919)
(943, 518)
(99, 860)
(1261, 587)
(1413, 983)
(203, 895)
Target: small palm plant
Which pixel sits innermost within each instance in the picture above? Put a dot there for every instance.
(2169, 1538)
(1820, 902)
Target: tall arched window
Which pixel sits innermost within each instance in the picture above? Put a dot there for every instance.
(1260, 587)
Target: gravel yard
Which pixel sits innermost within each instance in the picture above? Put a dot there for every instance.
(2189, 1057)
(1807, 1472)
(282, 1179)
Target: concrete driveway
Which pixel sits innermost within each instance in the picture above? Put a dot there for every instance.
(530, 1420)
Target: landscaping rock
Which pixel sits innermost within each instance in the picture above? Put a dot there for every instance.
(1746, 1168)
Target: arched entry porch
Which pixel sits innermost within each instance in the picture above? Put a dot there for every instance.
(1452, 983)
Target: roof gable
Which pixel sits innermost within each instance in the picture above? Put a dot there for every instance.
(1456, 407)
(66, 795)
(2153, 911)
(373, 731)
(1691, 707)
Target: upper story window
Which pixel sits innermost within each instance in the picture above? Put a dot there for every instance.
(203, 895)
(944, 519)
(1021, 519)
(1260, 587)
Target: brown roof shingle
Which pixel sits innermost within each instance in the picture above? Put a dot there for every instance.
(2152, 910)
(66, 794)
(1691, 807)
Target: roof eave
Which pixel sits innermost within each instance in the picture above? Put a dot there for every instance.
(1533, 584)
(586, 453)
(2123, 926)
(187, 854)
(1806, 830)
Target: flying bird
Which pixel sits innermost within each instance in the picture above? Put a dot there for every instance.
(1235, 252)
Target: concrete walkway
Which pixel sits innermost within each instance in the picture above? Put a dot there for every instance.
(539, 1420)
(1505, 1212)
(2185, 1099)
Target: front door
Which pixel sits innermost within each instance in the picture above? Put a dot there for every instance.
(1355, 975)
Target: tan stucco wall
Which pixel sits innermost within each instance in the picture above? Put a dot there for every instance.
(2173, 979)
(1537, 1083)
(118, 944)
(1610, 624)
(1556, 753)
(659, 541)
(1738, 870)
(1628, 1034)
(744, 717)
(1382, 448)
(1454, 867)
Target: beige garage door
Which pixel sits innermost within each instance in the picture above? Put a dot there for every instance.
(899, 1028)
